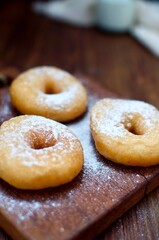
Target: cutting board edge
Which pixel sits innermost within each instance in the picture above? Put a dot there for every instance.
(11, 229)
(98, 226)
(152, 183)
(95, 227)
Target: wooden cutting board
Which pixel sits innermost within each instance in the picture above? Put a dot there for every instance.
(101, 193)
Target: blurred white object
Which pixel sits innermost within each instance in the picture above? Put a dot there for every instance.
(76, 12)
(148, 14)
(146, 30)
(148, 37)
(115, 15)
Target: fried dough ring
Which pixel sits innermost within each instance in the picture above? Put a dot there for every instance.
(49, 92)
(126, 131)
(36, 152)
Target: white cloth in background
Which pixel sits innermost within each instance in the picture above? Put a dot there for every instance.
(82, 13)
(146, 29)
(148, 37)
(76, 12)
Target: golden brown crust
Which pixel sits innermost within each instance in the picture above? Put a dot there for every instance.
(126, 131)
(36, 153)
(49, 92)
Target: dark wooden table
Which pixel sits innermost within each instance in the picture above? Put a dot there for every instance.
(118, 62)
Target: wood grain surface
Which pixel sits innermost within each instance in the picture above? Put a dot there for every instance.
(118, 62)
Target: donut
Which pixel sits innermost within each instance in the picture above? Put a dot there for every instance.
(126, 131)
(36, 153)
(49, 92)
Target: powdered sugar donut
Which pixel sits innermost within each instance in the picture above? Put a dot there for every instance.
(36, 152)
(49, 92)
(126, 131)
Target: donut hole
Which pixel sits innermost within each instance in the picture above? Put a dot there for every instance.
(134, 130)
(41, 145)
(135, 125)
(41, 140)
(51, 89)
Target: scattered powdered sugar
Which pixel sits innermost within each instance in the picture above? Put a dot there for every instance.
(91, 164)
(111, 117)
(62, 229)
(26, 209)
(5, 110)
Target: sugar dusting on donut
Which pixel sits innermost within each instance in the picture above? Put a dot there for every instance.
(50, 71)
(113, 113)
(126, 131)
(49, 92)
(36, 152)
(17, 133)
(59, 100)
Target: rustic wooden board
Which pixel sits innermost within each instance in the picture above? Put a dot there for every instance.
(101, 193)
